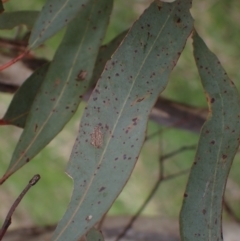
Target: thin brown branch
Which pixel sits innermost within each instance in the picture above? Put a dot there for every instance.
(174, 175)
(8, 219)
(147, 200)
(174, 114)
(157, 133)
(178, 151)
(165, 112)
(8, 88)
(230, 211)
(10, 63)
(13, 45)
(160, 179)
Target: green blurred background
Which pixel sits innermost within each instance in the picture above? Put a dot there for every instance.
(218, 22)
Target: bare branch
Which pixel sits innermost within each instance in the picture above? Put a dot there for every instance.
(8, 219)
(160, 179)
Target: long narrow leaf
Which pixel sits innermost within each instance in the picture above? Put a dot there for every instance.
(202, 208)
(105, 54)
(54, 16)
(20, 105)
(113, 126)
(22, 101)
(65, 83)
(12, 19)
(94, 235)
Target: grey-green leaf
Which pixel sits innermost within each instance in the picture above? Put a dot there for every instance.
(55, 15)
(105, 53)
(94, 235)
(10, 20)
(200, 218)
(65, 83)
(112, 129)
(21, 103)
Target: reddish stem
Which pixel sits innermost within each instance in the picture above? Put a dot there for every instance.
(11, 62)
(3, 122)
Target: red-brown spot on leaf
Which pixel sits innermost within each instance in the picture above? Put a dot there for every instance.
(101, 189)
(140, 99)
(57, 82)
(81, 75)
(97, 137)
(212, 100)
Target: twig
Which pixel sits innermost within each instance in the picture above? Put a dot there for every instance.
(161, 178)
(178, 151)
(7, 221)
(8, 88)
(155, 188)
(100, 224)
(174, 175)
(149, 137)
(142, 207)
(11, 62)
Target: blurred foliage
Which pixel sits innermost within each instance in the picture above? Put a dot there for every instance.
(218, 23)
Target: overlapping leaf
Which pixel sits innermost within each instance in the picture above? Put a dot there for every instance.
(21, 103)
(65, 83)
(105, 54)
(54, 16)
(202, 208)
(94, 235)
(12, 19)
(112, 129)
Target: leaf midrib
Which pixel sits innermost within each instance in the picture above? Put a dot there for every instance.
(113, 130)
(57, 100)
(210, 230)
(49, 23)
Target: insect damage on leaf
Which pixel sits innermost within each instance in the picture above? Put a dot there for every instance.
(97, 137)
(88, 218)
(81, 75)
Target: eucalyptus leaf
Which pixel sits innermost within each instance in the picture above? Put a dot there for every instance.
(112, 129)
(94, 235)
(201, 214)
(21, 103)
(105, 53)
(66, 81)
(55, 15)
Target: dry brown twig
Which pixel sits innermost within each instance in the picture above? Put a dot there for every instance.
(8, 218)
(156, 186)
